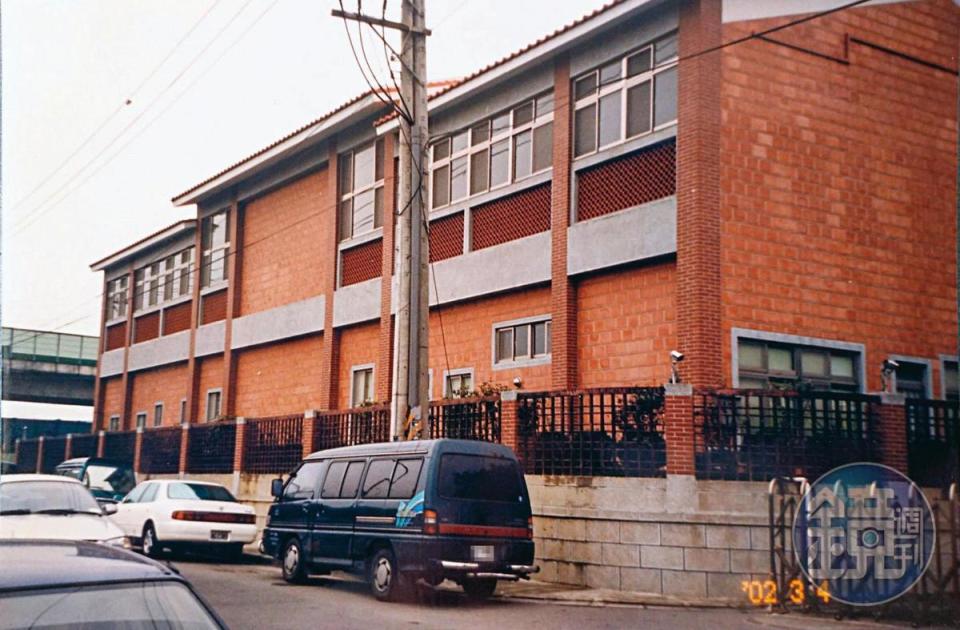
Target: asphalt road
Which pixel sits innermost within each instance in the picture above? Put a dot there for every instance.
(254, 596)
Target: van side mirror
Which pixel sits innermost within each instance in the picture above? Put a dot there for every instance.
(276, 488)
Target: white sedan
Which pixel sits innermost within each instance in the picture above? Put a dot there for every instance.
(173, 514)
(53, 507)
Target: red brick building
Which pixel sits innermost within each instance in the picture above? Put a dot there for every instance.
(781, 210)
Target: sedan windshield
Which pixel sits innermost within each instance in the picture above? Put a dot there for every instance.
(198, 492)
(38, 497)
(134, 605)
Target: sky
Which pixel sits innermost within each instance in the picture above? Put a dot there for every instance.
(112, 107)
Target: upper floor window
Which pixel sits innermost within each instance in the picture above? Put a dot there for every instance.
(626, 98)
(769, 365)
(493, 152)
(163, 280)
(522, 342)
(215, 241)
(117, 298)
(361, 190)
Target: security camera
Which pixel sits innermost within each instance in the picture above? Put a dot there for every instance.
(890, 364)
(517, 382)
(676, 356)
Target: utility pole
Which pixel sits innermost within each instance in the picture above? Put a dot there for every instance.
(410, 405)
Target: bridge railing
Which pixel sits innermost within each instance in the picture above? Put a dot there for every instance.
(49, 347)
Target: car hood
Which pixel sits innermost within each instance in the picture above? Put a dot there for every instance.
(56, 527)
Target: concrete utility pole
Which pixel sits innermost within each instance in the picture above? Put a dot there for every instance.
(410, 405)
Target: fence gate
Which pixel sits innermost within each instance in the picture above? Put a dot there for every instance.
(786, 585)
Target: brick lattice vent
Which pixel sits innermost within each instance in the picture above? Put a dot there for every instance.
(446, 237)
(360, 263)
(507, 219)
(638, 178)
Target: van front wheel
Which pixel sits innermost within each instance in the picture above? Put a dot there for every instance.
(386, 582)
(481, 588)
(292, 562)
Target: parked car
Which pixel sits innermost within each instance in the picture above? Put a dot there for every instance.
(175, 514)
(50, 584)
(54, 507)
(109, 480)
(402, 511)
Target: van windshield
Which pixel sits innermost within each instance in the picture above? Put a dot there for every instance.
(478, 478)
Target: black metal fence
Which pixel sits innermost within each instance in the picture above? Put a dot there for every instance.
(120, 446)
(210, 447)
(607, 431)
(54, 451)
(466, 419)
(272, 445)
(362, 425)
(758, 435)
(27, 455)
(84, 445)
(933, 441)
(160, 450)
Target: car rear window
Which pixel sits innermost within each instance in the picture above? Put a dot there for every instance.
(199, 492)
(479, 478)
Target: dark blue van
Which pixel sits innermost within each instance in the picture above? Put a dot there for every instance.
(398, 512)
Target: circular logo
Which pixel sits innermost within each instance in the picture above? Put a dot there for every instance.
(864, 533)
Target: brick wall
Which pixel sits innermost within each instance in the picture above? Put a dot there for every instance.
(177, 318)
(166, 384)
(146, 327)
(302, 210)
(116, 336)
(112, 398)
(626, 326)
(210, 376)
(213, 307)
(839, 183)
(279, 378)
(359, 345)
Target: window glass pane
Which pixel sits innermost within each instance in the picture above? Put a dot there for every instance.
(780, 359)
(539, 338)
(638, 109)
(500, 123)
(331, 485)
(363, 167)
(351, 481)
(460, 142)
(360, 387)
(303, 482)
(499, 163)
(951, 379)
(750, 355)
(141, 420)
(609, 118)
(585, 86)
(841, 365)
(378, 169)
(522, 154)
(150, 493)
(479, 478)
(610, 72)
(813, 362)
(665, 97)
(479, 171)
(549, 332)
(157, 415)
(545, 104)
(346, 219)
(378, 206)
(640, 62)
(441, 186)
(521, 336)
(377, 483)
(363, 212)
(188, 491)
(585, 138)
(523, 114)
(505, 344)
(458, 178)
(543, 146)
(346, 173)
(666, 49)
(752, 383)
(480, 133)
(405, 477)
(441, 149)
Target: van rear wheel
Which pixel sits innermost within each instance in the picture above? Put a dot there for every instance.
(479, 588)
(386, 581)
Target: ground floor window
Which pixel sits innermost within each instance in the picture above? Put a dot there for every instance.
(114, 423)
(361, 388)
(522, 341)
(912, 379)
(158, 414)
(459, 383)
(778, 365)
(142, 420)
(951, 380)
(213, 404)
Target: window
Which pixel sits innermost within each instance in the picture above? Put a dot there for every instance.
(493, 152)
(150, 493)
(141, 419)
(626, 98)
(333, 480)
(478, 478)
(215, 241)
(771, 365)
(158, 414)
(361, 190)
(362, 386)
(303, 482)
(405, 477)
(164, 280)
(213, 404)
(117, 298)
(522, 342)
(951, 380)
(114, 423)
(459, 384)
(377, 483)
(199, 492)
(351, 480)
(912, 379)
(183, 410)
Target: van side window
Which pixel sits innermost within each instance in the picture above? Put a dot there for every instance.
(351, 481)
(377, 483)
(303, 482)
(405, 477)
(331, 485)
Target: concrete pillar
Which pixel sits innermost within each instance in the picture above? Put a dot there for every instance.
(137, 447)
(101, 439)
(184, 445)
(678, 428)
(238, 450)
(39, 467)
(892, 430)
(384, 371)
(306, 439)
(330, 359)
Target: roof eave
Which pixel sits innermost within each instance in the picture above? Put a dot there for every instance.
(155, 239)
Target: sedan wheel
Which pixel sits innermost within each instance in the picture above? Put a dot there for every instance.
(151, 546)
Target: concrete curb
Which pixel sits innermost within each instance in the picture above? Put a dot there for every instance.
(545, 591)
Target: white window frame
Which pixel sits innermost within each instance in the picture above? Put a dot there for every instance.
(510, 133)
(146, 278)
(206, 410)
(356, 369)
(623, 85)
(379, 147)
(141, 420)
(208, 253)
(457, 373)
(113, 424)
(117, 297)
(527, 361)
(157, 406)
